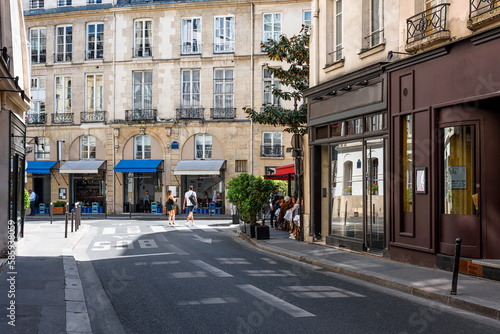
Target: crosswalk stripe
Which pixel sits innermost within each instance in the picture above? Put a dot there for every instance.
(274, 301)
(158, 228)
(133, 230)
(109, 230)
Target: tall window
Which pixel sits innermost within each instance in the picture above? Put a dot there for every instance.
(306, 18)
(87, 147)
(407, 158)
(95, 40)
(191, 88)
(42, 150)
(142, 147)
(38, 43)
(35, 4)
(64, 43)
(62, 3)
(338, 51)
(203, 146)
(271, 144)
(143, 90)
(94, 91)
(63, 95)
(191, 35)
(36, 115)
(376, 29)
(268, 83)
(272, 26)
(224, 34)
(143, 35)
(223, 88)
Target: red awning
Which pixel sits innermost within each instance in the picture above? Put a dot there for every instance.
(282, 173)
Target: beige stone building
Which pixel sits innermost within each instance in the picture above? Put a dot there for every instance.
(14, 102)
(133, 98)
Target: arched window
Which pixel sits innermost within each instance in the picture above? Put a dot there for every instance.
(203, 146)
(142, 147)
(87, 147)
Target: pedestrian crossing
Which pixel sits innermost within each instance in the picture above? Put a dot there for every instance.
(145, 229)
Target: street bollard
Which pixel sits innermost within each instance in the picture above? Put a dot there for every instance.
(105, 209)
(51, 206)
(77, 216)
(454, 281)
(72, 220)
(66, 225)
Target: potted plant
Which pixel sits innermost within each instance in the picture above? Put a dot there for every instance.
(374, 189)
(59, 208)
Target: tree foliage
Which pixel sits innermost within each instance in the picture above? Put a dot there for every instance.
(249, 193)
(26, 199)
(295, 52)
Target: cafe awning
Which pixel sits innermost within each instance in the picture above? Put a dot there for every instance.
(83, 167)
(199, 167)
(282, 173)
(138, 166)
(40, 166)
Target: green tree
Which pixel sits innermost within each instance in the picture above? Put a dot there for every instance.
(26, 199)
(295, 52)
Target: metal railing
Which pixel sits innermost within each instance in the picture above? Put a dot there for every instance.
(36, 118)
(375, 38)
(222, 113)
(35, 4)
(143, 52)
(479, 7)
(93, 55)
(61, 118)
(427, 23)
(92, 116)
(140, 115)
(271, 151)
(63, 57)
(337, 55)
(190, 48)
(190, 112)
(224, 47)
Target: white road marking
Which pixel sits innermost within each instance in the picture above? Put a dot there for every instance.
(109, 230)
(142, 255)
(133, 230)
(176, 249)
(272, 300)
(211, 269)
(158, 228)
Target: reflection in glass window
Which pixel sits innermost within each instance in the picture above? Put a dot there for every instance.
(142, 147)
(203, 146)
(355, 126)
(407, 159)
(337, 129)
(88, 147)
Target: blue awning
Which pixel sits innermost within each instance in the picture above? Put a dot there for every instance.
(40, 166)
(138, 166)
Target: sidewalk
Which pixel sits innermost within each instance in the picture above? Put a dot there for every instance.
(475, 295)
(45, 284)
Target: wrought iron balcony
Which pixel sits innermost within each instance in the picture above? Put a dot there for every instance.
(223, 113)
(36, 118)
(190, 112)
(92, 116)
(189, 48)
(479, 7)
(36, 4)
(227, 47)
(271, 151)
(143, 52)
(140, 115)
(62, 118)
(427, 23)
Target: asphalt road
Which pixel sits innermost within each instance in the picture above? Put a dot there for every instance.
(148, 277)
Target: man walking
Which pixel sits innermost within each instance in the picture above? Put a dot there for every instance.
(190, 201)
(32, 202)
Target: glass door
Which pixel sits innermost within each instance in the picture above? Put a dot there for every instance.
(374, 195)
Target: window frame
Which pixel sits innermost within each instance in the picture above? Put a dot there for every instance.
(94, 88)
(305, 19)
(188, 23)
(86, 152)
(376, 36)
(64, 3)
(206, 154)
(140, 49)
(272, 32)
(66, 100)
(145, 147)
(39, 39)
(37, 4)
(191, 84)
(227, 46)
(43, 155)
(225, 83)
(65, 45)
(267, 88)
(143, 96)
(98, 54)
(338, 53)
(272, 136)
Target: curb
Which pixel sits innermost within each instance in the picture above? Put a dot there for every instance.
(452, 301)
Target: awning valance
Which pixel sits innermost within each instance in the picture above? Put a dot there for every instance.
(282, 173)
(83, 167)
(40, 166)
(199, 167)
(139, 166)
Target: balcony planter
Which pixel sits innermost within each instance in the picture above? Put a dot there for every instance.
(250, 229)
(262, 232)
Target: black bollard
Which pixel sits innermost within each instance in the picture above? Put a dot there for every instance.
(66, 225)
(458, 245)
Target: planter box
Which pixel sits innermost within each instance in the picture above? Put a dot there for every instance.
(58, 210)
(250, 230)
(262, 232)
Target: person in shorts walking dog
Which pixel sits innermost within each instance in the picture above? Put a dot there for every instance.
(190, 202)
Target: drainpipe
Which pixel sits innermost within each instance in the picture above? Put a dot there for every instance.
(315, 48)
(114, 111)
(252, 31)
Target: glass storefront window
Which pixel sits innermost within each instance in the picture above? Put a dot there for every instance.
(355, 126)
(376, 122)
(337, 129)
(459, 170)
(407, 159)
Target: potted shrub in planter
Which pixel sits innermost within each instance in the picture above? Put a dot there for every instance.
(249, 193)
(59, 208)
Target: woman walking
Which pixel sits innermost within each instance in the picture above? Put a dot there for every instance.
(170, 208)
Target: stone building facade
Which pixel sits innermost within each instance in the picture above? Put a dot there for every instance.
(133, 97)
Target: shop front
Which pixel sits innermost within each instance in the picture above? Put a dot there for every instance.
(347, 124)
(142, 185)
(87, 184)
(444, 154)
(40, 174)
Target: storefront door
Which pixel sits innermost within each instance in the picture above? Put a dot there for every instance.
(460, 188)
(374, 195)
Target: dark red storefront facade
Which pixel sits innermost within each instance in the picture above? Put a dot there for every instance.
(444, 130)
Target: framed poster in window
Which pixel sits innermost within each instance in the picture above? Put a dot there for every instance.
(62, 193)
(421, 180)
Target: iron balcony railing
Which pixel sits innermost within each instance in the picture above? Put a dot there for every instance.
(271, 151)
(374, 39)
(92, 116)
(143, 52)
(37, 118)
(479, 7)
(188, 48)
(36, 4)
(61, 57)
(136, 115)
(224, 47)
(427, 23)
(62, 118)
(194, 112)
(222, 113)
